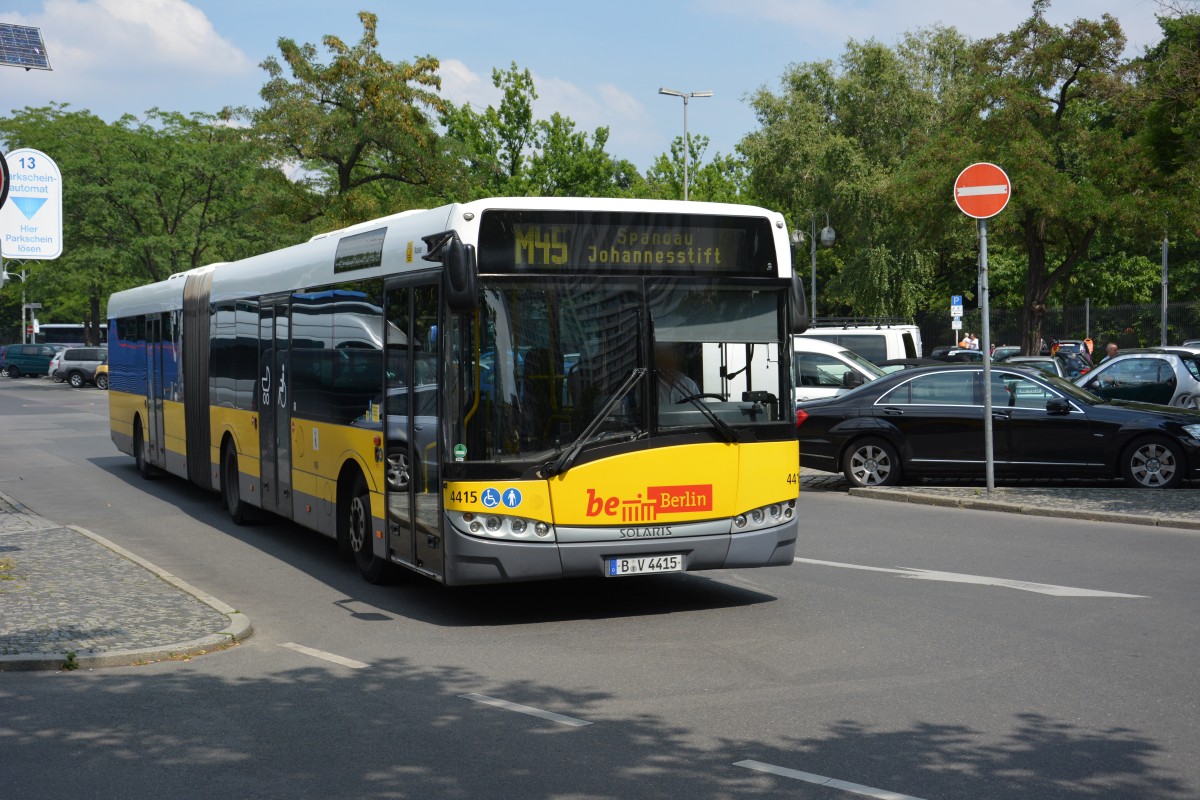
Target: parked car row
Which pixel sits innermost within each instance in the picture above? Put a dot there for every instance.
(75, 365)
(929, 421)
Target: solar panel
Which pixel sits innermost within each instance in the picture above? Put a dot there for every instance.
(21, 46)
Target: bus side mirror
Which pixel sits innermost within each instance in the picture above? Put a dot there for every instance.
(460, 277)
(800, 320)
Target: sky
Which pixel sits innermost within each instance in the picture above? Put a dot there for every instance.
(599, 64)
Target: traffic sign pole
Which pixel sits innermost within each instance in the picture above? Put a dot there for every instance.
(985, 329)
(981, 191)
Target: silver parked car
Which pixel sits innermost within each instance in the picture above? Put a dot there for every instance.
(1166, 376)
(55, 375)
(77, 365)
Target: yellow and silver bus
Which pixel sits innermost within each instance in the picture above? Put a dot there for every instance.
(503, 390)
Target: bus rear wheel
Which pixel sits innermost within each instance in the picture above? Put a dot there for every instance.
(231, 488)
(144, 468)
(355, 525)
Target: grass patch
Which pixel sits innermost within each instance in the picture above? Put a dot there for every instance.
(7, 567)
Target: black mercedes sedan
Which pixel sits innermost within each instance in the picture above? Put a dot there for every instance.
(928, 422)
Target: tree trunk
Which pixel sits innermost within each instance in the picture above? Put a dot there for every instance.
(1036, 285)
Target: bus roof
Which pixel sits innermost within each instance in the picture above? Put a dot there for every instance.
(310, 264)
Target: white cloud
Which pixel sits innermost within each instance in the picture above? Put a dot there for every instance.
(630, 126)
(146, 34)
(118, 56)
(461, 85)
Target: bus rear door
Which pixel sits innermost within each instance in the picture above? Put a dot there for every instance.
(275, 418)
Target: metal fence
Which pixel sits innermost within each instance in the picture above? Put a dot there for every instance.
(1128, 325)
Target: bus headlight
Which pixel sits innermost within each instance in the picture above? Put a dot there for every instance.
(765, 516)
(500, 526)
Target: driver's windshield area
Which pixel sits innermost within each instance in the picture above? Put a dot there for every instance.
(621, 358)
(716, 354)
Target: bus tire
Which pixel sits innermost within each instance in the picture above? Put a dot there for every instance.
(144, 468)
(231, 489)
(355, 525)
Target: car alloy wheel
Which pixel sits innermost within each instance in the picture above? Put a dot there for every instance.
(871, 462)
(1153, 464)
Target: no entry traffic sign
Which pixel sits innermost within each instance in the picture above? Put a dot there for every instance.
(3, 179)
(982, 190)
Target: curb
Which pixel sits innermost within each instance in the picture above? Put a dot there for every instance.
(983, 504)
(239, 626)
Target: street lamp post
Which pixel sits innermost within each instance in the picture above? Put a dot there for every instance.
(686, 147)
(827, 236)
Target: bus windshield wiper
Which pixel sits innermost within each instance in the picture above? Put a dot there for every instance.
(567, 459)
(721, 425)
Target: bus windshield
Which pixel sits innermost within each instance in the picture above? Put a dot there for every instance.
(551, 353)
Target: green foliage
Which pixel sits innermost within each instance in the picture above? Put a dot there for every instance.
(837, 142)
(506, 151)
(356, 121)
(1103, 153)
(142, 199)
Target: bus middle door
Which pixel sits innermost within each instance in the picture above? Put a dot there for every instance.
(274, 407)
(156, 450)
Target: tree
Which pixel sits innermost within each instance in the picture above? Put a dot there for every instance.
(723, 179)
(507, 151)
(836, 142)
(143, 199)
(1055, 108)
(357, 121)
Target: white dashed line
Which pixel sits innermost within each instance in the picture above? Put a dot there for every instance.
(821, 780)
(981, 580)
(321, 654)
(520, 709)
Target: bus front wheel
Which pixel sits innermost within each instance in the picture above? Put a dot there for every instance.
(356, 530)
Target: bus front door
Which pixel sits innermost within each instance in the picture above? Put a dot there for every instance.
(412, 408)
(274, 407)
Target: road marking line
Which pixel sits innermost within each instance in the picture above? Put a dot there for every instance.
(336, 659)
(981, 580)
(533, 712)
(821, 780)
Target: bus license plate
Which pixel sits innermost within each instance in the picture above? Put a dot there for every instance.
(641, 565)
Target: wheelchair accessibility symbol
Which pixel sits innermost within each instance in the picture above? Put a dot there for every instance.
(490, 498)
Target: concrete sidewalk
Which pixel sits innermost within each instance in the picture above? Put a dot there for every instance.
(65, 590)
(1098, 501)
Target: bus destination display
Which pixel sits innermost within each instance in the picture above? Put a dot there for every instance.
(529, 241)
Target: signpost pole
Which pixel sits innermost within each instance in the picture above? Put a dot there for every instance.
(981, 191)
(985, 346)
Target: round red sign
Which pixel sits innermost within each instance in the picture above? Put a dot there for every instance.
(3, 178)
(982, 190)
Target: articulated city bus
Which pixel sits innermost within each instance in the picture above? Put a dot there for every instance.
(503, 390)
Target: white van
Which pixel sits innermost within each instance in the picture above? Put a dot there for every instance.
(822, 369)
(875, 341)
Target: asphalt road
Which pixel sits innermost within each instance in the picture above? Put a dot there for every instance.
(914, 651)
